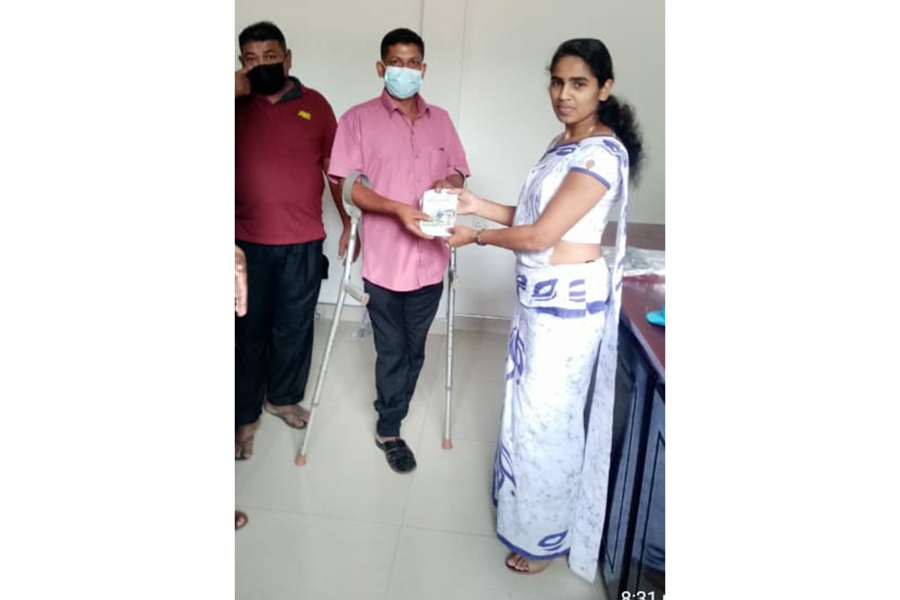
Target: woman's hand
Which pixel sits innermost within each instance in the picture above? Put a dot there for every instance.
(468, 203)
(460, 236)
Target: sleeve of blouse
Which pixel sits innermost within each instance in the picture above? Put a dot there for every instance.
(601, 161)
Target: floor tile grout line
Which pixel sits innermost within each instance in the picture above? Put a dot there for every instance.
(419, 447)
(409, 493)
(390, 579)
(427, 409)
(286, 511)
(451, 531)
(401, 525)
(252, 468)
(429, 390)
(430, 431)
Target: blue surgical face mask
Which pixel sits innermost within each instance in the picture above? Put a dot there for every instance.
(401, 82)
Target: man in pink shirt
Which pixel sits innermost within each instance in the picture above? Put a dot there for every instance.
(405, 146)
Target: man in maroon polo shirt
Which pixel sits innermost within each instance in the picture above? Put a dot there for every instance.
(283, 137)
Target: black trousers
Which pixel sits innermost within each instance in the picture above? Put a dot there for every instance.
(273, 341)
(400, 322)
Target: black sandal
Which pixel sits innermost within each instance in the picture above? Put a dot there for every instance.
(399, 456)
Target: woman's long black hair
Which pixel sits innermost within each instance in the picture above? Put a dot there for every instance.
(615, 114)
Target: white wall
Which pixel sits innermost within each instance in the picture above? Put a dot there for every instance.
(487, 64)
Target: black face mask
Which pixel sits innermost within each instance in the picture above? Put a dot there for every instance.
(267, 79)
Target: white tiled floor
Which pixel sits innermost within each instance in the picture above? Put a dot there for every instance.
(346, 527)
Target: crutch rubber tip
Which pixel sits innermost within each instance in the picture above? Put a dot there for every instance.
(447, 445)
(300, 460)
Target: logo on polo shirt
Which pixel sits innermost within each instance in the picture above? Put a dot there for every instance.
(305, 115)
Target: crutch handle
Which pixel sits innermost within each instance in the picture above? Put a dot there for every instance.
(346, 192)
(356, 293)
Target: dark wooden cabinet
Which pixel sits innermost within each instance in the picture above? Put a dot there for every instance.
(631, 388)
(647, 570)
(633, 551)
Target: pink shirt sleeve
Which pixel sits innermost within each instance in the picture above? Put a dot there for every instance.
(346, 154)
(456, 154)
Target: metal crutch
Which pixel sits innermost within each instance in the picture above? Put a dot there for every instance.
(346, 288)
(453, 280)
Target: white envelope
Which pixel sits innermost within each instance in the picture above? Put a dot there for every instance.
(441, 207)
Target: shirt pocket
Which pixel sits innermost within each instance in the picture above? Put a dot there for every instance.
(437, 165)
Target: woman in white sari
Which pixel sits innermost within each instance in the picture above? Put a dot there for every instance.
(551, 467)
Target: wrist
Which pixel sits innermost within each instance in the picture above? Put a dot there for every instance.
(477, 205)
(477, 237)
(396, 208)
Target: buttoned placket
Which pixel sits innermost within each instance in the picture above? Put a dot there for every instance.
(414, 148)
(413, 140)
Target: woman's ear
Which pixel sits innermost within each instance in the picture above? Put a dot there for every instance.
(605, 90)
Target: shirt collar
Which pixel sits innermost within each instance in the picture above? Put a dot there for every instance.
(390, 105)
(293, 93)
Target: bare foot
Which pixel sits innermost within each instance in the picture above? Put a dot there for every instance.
(243, 440)
(240, 519)
(519, 564)
(293, 415)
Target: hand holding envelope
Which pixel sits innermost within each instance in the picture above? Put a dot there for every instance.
(441, 207)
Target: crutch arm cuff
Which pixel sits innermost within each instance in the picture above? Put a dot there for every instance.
(347, 190)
